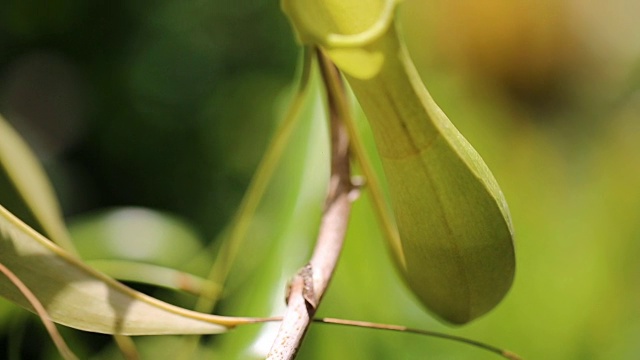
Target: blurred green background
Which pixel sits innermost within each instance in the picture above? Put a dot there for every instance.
(169, 105)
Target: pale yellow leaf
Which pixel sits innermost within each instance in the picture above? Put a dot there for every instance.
(78, 296)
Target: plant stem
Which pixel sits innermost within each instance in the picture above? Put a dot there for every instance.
(309, 285)
(232, 243)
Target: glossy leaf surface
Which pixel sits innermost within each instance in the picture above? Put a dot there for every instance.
(454, 224)
(80, 297)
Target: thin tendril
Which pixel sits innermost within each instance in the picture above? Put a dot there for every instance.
(63, 349)
(365, 324)
(257, 187)
(403, 329)
(240, 225)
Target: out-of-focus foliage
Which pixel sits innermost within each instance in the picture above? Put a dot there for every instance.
(27, 192)
(169, 105)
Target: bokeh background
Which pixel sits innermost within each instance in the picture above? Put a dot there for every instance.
(169, 105)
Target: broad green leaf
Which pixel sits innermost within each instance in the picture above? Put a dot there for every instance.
(143, 245)
(135, 234)
(26, 190)
(78, 296)
(454, 224)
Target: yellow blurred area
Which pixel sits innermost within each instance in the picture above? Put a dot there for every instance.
(546, 92)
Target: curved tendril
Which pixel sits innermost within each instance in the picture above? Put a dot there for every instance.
(402, 329)
(57, 339)
(242, 219)
(257, 187)
(365, 324)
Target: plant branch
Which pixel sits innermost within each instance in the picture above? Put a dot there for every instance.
(258, 186)
(310, 283)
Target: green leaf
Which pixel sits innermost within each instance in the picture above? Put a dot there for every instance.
(162, 276)
(146, 246)
(454, 224)
(136, 234)
(77, 296)
(26, 190)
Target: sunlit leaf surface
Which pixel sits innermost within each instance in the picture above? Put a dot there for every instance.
(80, 297)
(27, 191)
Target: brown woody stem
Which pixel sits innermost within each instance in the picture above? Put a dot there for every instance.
(309, 285)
